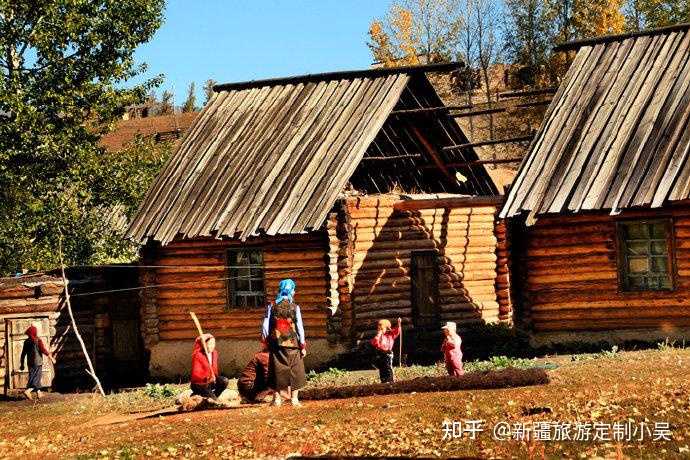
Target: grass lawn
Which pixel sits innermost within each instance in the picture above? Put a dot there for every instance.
(640, 387)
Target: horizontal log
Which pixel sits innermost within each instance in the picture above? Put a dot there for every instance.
(454, 203)
(468, 276)
(632, 314)
(667, 324)
(568, 251)
(372, 315)
(367, 299)
(567, 277)
(376, 306)
(190, 334)
(277, 254)
(218, 269)
(632, 301)
(567, 269)
(583, 239)
(587, 260)
(191, 293)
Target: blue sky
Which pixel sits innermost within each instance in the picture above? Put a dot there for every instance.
(236, 40)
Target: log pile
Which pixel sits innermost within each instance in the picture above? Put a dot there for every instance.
(572, 278)
(385, 233)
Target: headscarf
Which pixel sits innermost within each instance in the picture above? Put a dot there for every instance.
(286, 291)
(32, 332)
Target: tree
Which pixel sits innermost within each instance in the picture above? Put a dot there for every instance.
(166, 106)
(592, 18)
(62, 65)
(528, 35)
(190, 103)
(660, 13)
(208, 89)
(416, 28)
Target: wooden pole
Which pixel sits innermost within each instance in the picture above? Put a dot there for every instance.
(400, 348)
(91, 371)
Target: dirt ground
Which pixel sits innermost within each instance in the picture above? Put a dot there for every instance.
(634, 389)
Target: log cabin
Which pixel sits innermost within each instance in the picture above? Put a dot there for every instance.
(358, 185)
(600, 210)
(108, 323)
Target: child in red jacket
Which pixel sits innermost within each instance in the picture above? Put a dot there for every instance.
(383, 344)
(451, 349)
(206, 381)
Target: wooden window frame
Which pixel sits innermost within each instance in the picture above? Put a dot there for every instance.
(621, 256)
(231, 292)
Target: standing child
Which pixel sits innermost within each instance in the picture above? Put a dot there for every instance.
(33, 351)
(451, 349)
(383, 344)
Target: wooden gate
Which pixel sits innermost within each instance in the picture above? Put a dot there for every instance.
(426, 314)
(15, 336)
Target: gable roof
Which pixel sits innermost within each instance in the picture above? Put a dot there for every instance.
(273, 156)
(126, 130)
(617, 134)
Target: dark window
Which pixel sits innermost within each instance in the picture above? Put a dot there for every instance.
(645, 255)
(245, 278)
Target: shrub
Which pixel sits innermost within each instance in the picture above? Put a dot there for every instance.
(157, 391)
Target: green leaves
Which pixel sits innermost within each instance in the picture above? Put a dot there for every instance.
(62, 63)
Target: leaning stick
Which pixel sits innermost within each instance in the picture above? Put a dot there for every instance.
(201, 335)
(90, 370)
(400, 349)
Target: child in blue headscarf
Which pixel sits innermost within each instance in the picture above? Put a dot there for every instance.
(283, 332)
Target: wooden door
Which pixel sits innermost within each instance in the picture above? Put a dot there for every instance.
(15, 336)
(127, 365)
(425, 306)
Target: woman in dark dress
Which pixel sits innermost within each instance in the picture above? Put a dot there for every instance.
(283, 332)
(33, 351)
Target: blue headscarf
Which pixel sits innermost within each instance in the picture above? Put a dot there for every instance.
(286, 290)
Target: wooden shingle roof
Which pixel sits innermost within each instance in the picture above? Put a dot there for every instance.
(617, 134)
(273, 156)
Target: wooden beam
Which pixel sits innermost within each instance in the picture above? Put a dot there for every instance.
(577, 44)
(469, 164)
(492, 142)
(448, 202)
(393, 157)
(435, 156)
(533, 104)
(531, 92)
(444, 108)
(477, 112)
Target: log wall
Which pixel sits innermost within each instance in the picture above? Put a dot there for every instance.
(571, 276)
(386, 229)
(35, 297)
(190, 276)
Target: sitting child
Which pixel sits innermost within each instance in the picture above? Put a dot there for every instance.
(383, 345)
(451, 349)
(206, 381)
(253, 382)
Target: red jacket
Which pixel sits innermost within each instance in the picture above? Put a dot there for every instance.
(202, 371)
(387, 339)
